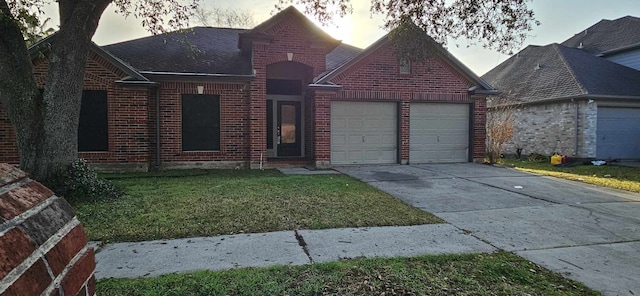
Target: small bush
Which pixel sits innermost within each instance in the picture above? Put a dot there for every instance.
(536, 157)
(80, 183)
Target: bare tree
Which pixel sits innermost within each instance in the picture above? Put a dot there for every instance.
(224, 17)
(500, 126)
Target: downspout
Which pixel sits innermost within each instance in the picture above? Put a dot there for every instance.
(158, 162)
(577, 125)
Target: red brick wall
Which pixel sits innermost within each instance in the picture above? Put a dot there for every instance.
(322, 127)
(479, 127)
(377, 78)
(234, 122)
(289, 36)
(127, 114)
(380, 72)
(8, 141)
(44, 249)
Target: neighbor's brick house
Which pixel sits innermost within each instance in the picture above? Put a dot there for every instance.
(580, 98)
(282, 92)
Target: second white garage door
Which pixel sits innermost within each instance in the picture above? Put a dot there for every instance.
(439, 132)
(364, 132)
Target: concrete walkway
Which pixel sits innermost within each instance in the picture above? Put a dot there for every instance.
(153, 258)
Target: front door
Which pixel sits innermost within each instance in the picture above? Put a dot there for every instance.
(289, 129)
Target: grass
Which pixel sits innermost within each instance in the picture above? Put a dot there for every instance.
(477, 274)
(623, 178)
(177, 204)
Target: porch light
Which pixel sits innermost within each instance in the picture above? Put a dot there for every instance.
(200, 89)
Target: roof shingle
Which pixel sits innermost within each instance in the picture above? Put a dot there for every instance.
(201, 50)
(197, 50)
(608, 35)
(539, 73)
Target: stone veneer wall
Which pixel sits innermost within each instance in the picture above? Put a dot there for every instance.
(551, 127)
(43, 248)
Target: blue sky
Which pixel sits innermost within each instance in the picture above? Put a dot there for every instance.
(560, 19)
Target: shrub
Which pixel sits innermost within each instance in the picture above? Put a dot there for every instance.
(80, 183)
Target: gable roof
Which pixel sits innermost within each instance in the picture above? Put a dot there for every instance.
(540, 73)
(44, 44)
(261, 31)
(608, 36)
(200, 50)
(326, 77)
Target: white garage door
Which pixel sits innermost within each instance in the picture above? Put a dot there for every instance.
(363, 132)
(439, 133)
(618, 133)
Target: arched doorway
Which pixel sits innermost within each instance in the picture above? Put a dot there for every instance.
(286, 85)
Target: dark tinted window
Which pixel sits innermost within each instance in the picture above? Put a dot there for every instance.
(200, 122)
(284, 87)
(93, 131)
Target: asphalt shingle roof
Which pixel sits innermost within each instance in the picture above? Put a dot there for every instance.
(201, 50)
(554, 71)
(196, 50)
(608, 35)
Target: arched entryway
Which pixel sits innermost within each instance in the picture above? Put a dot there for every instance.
(286, 85)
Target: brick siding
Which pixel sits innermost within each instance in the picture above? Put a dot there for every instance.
(551, 127)
(377, 78)
(44, 249)
(128, 116)
(234, 122)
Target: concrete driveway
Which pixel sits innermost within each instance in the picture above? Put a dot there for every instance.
(584, 232)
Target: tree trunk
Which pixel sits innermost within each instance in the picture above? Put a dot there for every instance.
(47, 125)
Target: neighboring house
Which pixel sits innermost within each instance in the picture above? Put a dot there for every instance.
(580, 98)
(284, 92)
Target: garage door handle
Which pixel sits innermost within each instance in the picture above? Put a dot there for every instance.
(362, 139)
(438, 139)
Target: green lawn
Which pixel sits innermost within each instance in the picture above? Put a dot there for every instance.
(479, 274)
(178, 204)
(623, 178)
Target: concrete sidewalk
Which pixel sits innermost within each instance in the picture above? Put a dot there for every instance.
(153, 258)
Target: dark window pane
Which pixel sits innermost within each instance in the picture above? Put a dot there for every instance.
(288, 126)
(93, 131)
(284, 87)
(200, 122)
(269, 124)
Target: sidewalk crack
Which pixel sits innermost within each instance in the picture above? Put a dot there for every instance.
(303, 244)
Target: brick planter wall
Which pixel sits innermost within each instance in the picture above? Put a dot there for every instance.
(43, 248)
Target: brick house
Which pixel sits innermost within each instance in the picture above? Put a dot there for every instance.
(284, 92)
(579, 98)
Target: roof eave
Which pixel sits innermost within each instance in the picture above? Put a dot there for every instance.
(481, 91)
(577, 97)
(619, 50)
(133, 73)
(200, 76)
(326, 87)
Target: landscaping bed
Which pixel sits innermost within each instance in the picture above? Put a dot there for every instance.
(618, 177)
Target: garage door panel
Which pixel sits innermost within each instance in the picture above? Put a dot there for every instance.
(371, 132)
(618, 133)
(354, 139)
(439, 132)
